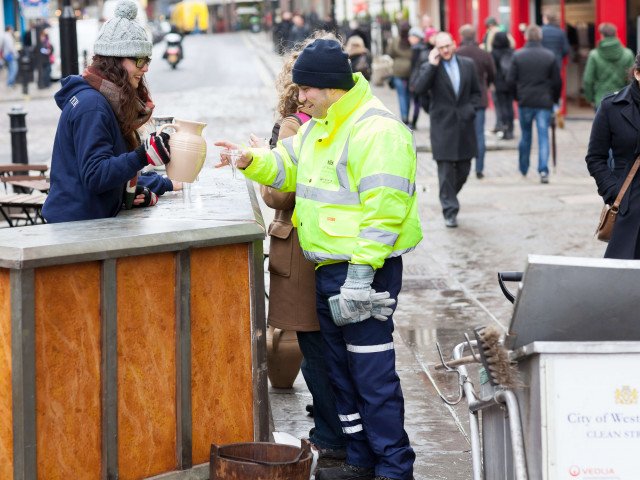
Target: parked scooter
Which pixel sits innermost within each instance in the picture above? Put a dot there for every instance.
(173, 52)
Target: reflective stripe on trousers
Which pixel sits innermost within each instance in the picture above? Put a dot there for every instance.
(360, 360)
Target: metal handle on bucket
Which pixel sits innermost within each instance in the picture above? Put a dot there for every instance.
(215, 454)
(508, 277)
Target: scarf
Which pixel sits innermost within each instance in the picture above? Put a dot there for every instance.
(113, 94)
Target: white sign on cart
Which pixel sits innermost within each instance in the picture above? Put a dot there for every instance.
(592, 416)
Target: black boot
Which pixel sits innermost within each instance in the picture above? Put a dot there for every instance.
(508, 133)
(345, 472)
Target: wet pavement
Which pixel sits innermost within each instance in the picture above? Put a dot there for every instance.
(450, 283)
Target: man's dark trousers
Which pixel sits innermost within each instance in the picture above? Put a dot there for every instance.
(452, 175)
(360, 359)
(328, 430)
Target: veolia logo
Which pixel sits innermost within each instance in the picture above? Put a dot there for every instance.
(592, 472)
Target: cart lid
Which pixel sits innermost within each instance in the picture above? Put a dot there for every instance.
(576, 299)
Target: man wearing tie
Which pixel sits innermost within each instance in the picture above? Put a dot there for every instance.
(454, 91)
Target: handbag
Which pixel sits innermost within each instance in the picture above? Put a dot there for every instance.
(610, 212)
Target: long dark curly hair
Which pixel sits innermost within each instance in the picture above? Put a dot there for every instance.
(111, 69)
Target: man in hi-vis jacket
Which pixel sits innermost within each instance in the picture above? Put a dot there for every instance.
(353, 169)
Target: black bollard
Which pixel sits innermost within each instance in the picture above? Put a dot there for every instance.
(68, 40)
(18, 130)
(25, 69)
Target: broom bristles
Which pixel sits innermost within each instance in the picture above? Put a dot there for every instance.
(495, 358)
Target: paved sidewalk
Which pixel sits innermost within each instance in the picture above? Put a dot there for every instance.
(14, 94)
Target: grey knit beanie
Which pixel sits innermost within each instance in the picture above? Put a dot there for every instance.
(123, 36)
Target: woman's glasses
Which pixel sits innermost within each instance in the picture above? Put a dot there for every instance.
(141, 62)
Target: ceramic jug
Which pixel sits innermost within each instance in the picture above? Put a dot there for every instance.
(283, 357)
(188, 150)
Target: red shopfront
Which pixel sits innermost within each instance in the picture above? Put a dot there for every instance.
(514, 14)
(579, 18)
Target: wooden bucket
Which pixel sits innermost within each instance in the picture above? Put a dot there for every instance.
(260, 461)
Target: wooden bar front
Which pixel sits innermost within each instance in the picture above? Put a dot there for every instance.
(129, 345)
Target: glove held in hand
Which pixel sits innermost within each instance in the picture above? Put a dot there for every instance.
(155, 150)
(380, 309)
(150, 198)
(354, 294)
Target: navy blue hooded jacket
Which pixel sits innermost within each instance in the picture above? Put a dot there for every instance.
(90, 164)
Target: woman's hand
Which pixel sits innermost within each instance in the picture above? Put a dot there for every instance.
(139, 200)
(241, 157)
(177, 186)
(144, 197)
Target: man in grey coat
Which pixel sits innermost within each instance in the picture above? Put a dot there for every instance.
(454, 92)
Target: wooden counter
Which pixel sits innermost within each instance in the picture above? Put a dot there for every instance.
(128, 345)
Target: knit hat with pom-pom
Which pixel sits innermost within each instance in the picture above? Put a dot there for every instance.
(123, 36)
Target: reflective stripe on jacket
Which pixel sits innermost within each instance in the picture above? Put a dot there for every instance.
(354, 177)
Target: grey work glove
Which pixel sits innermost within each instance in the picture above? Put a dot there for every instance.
(356, 300)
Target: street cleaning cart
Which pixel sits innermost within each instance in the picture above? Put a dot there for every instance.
(573, 411)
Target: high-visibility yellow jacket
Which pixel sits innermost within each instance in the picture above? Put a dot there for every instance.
(354, 177)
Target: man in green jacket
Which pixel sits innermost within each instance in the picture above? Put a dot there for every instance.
(608, 66)
(353, 169)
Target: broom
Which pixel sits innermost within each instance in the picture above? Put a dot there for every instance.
(493, 356)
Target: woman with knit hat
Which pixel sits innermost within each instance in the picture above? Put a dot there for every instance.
(97, 151)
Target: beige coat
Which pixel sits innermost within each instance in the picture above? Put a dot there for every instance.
(292, 291)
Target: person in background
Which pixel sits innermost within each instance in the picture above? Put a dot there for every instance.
(486, 71)
(608, 66)
(419, 54)
(10, 55)
(535, 78)
(612, 133)
(44, 57)
(426, 23)
(430, 37)
(400, 51)
(292, 290)
(299, 32)
(454, 90)
(356, 213)
(553, 37)
(359, 56)
(97, 150)
(356, 29)
(281, 33)
(329, 24)
(502, 54)
(494, 27)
